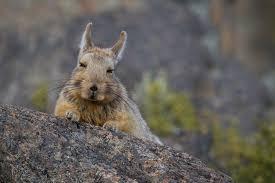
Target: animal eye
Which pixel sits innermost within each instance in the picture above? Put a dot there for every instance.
(82, 65)
(110, 71)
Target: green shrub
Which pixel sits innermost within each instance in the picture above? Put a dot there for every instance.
(165, 110)
(247, 159)
(250, 159)
(39, 97)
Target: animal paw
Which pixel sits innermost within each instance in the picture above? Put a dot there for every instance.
(111, 126)
(73, 116)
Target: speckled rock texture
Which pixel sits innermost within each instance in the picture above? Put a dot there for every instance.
(37, 147)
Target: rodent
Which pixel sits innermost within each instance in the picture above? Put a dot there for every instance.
(95, 95)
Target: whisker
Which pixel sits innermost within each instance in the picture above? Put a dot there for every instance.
(122, 98)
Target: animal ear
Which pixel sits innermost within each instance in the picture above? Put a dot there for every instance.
(120, 45)
(86, 40)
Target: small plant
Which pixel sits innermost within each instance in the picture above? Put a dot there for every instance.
(247, 160)
(39, 98)
(165, 110)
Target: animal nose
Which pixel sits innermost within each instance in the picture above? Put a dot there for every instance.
(93, 88)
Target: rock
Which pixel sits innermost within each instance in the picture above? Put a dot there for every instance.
(37, 147)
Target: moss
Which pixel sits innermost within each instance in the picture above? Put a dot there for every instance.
(164, 109)
(39, 97)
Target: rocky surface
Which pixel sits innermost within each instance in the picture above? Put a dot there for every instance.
(37, 147)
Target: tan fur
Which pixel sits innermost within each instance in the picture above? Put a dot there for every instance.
(94, 95)
(87, 112)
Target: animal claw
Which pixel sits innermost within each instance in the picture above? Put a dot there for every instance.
(73, 116)
(111, 126)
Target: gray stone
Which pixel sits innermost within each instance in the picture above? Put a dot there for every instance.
(37, 147)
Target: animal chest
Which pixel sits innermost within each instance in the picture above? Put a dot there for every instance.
(97, 115)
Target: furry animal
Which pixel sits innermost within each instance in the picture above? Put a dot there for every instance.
(95, 95)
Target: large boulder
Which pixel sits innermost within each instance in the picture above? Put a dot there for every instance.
(37, 147)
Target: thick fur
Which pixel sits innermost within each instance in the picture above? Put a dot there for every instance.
(108, 105)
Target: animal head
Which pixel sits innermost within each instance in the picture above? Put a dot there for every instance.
(93, 78)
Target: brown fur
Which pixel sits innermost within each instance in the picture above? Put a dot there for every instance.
(95, 95)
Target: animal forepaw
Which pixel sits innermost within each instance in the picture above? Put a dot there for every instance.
(111, 126)
(73, 116)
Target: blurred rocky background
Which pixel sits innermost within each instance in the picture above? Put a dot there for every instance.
(208, 65)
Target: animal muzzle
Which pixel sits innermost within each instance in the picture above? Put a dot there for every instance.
(93, 92)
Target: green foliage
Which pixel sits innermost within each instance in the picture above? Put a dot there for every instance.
(248, 160)
(164, 109)
(39, 98)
